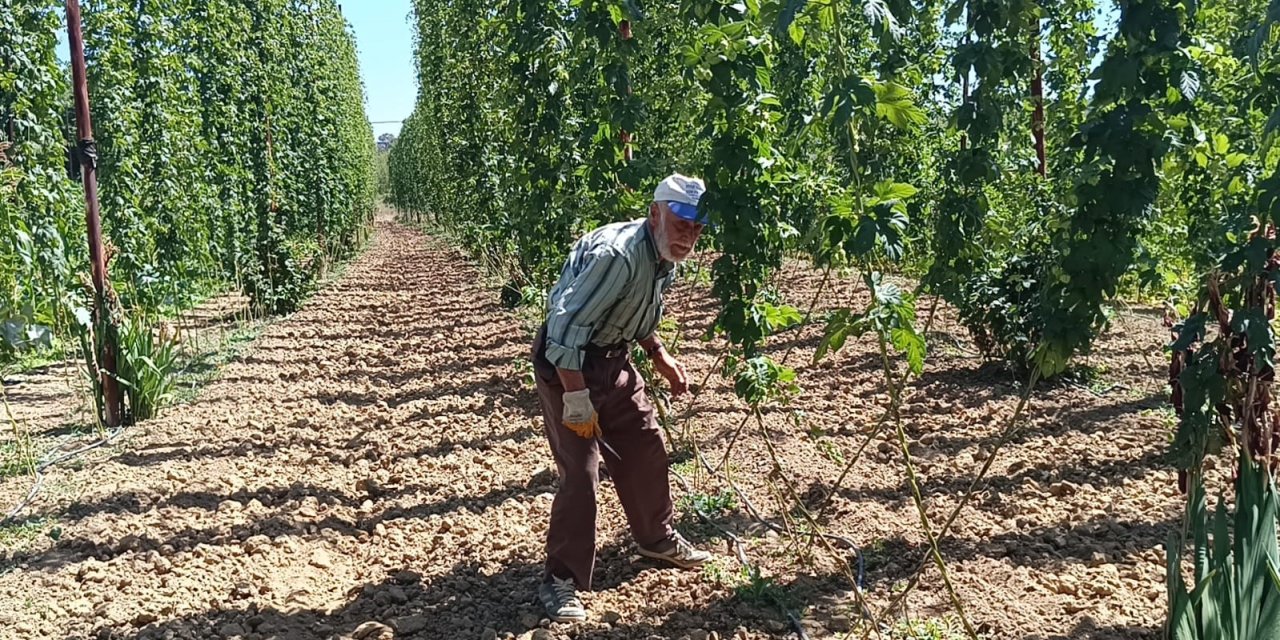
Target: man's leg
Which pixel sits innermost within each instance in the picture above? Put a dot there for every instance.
(640, 476)
(571, 537)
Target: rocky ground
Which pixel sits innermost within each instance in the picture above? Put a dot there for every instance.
(372, 466)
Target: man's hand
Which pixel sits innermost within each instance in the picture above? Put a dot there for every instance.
(672, 370)
(580, 415)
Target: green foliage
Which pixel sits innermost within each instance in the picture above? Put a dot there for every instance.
(1123, 143)
(226, 158)
(928, 629)
(1223, 358)
(759, 379)
(711, 505)
(536, 123)
(730, 57)
(16, 458)
(891, 315)
(1032, 263)
(21, 533)
(756, 588)
(506, 138)
(382, 172)
(41, 215)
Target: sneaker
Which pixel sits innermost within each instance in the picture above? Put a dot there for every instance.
(681, 554)
(560, 599)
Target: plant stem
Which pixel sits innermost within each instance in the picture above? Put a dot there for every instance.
(896, 406)
(1010, 431)
(884, 417)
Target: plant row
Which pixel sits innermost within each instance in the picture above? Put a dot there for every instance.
(233, 151)
(1030, 162)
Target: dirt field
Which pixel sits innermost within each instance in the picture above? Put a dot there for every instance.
(373, 465)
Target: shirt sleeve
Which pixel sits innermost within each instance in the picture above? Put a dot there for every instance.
(576, 313)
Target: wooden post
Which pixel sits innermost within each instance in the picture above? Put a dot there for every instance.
(624, 30)
(1037, 96)
(964, 101)
(113, 407)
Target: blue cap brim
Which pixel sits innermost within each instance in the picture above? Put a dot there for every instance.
(686, 211)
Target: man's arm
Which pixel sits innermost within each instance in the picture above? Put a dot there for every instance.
(665, 364)
(651, 345)
(571, 379)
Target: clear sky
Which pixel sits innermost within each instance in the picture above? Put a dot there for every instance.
(385, 42)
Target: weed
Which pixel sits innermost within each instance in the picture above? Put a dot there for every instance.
(948, 628)
(831, 451)
(710, 505)
(715, 571)
(20, 533)
(524, 371)
(875, 554)
(1168, 418)
(41, 358)
(759, 589)
(827, 447)
(15, 460)
(148, 366)
(685, 468)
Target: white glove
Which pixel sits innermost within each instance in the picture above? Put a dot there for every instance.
(578, 408)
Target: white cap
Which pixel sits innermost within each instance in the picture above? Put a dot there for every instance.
(678, 188)
(681, 193)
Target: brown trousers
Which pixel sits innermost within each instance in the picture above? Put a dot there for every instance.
(640, 475)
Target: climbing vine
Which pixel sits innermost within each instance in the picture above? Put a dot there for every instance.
(256, 183)
(41, 222)
(1223, 352)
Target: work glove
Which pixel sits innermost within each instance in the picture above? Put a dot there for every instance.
(580, 415)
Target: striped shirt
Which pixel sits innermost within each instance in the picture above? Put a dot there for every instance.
(609, 292)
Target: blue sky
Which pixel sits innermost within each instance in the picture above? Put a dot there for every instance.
(385, 42)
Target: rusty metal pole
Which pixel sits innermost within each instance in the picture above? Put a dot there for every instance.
(624, 30)
(1037, 96)
(113, 408)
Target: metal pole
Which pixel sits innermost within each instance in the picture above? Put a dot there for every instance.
(1037, 96)
(113, 409)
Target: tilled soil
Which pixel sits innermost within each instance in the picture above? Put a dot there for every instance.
(374, 467)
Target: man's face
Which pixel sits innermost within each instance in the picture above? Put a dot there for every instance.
(675, 236)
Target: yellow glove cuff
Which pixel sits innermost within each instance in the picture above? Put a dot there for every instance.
(588, 429)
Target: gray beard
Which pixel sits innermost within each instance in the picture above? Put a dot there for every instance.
(664, 244)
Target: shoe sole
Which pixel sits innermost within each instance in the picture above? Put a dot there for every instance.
(671, 561)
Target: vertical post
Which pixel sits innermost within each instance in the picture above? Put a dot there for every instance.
(1037, 96)
(964, 100)
(624, 30)
(113, 408)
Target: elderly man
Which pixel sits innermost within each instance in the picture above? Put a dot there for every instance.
(609, 296)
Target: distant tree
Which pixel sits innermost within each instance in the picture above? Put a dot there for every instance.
(385, 141)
